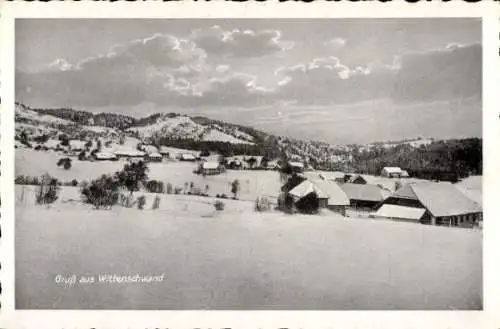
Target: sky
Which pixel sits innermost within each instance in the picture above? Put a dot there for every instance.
(338, 80)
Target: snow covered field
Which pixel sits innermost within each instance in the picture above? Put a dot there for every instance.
(237, 259)
(252, 183)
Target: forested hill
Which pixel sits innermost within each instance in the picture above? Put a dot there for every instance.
(421, 157)
(462, 157)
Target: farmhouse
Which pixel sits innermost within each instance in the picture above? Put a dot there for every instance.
(149, 149)
(274, 165)
(336, 176)
(154, 157)
(187, 157)
(104, 156)
(363, 195)
(392, 172)
(358, 179)
(77, 145)
(442, 204)
(326, 194)
(164, 151)
(129, 154)
(208, 168)
(297, 166)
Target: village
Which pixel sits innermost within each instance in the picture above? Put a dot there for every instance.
(392, 195)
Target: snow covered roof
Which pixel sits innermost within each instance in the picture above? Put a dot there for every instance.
(188, 156)
(394, 211)
(104, 155)
(332, 175)
(324, 190)
(393, 170)
(129, 152)
(364, 192)
(441, 199)
(296, 164)
(77, 144)
(150, 148)
(210, 165)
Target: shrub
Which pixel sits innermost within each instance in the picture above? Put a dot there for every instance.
(20, 180)
(65, 162)
(102, 192)
(235, 188)
(223, 196)
(285, 203)
(219, 205)
(81, 156)
(177, 190)
(74, 182)
(47, 191)
(141, 202)
(169, 188)
(154, 186)
(156, 203)
(262, 204)
(132, 175)
(127, 200)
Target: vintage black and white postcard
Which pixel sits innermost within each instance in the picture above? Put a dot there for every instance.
(265, 160)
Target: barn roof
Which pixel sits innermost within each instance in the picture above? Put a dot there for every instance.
(331, 175)
(444, 199)
(187, 156)
(324, 189)
(129, 152)
(210, 165)
(393, 170)
(296, 164)
(104, 155)
(394, 211)
(364, 192)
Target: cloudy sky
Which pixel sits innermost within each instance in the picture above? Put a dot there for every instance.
(343, 81)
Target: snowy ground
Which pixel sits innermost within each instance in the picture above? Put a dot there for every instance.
(252, 183)
(238, 259)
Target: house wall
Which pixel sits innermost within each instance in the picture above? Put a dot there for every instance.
(338, 209)
(323, 203)
(465, 220)
(363, 204)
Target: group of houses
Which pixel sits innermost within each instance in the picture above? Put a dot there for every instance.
(425, 202)
(148, 153)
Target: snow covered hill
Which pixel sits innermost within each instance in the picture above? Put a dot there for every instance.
(184, 127)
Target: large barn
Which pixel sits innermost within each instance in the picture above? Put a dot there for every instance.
(393, 172)
(327, 194)
(363, 195)
(439, 203)
(208, 168)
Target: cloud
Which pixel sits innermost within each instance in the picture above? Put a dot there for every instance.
(335, 43)
(167, 70)
(327, 81)
(454, 72)
(448, 73)
(239, 43)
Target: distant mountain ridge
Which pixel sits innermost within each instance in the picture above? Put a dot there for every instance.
(420, 156)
